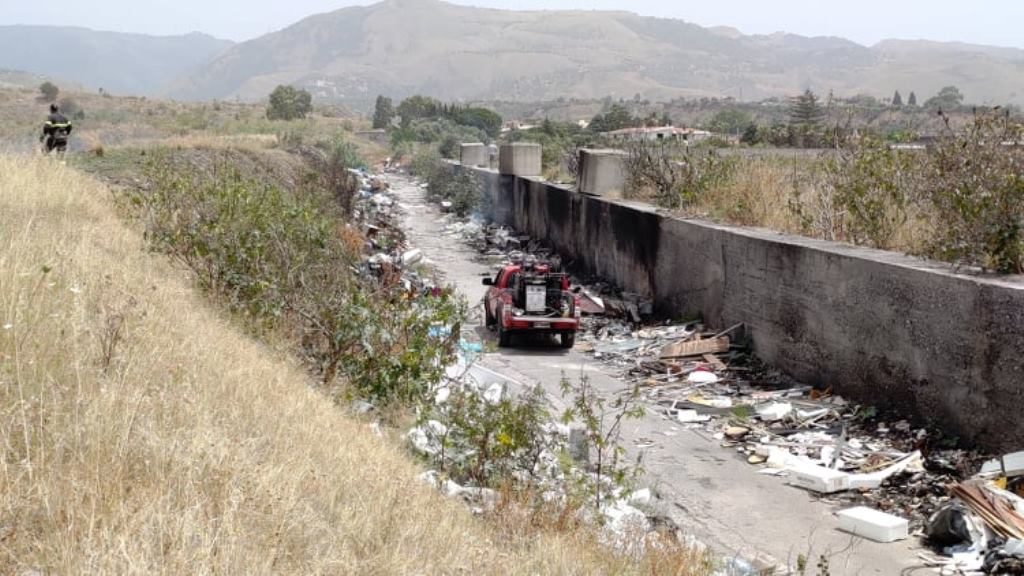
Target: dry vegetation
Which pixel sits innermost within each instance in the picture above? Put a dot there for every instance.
(788, 193)
(142, 432)
(118, 122)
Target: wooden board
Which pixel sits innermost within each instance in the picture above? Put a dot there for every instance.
(715, 362)
(695, 348)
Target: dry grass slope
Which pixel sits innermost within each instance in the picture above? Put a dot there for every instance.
(141, 433)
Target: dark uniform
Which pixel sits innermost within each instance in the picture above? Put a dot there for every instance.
(56, 131)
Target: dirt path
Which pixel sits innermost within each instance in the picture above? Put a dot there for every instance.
(712, 493)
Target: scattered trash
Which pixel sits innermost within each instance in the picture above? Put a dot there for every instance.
(775, 411)
(895, 478)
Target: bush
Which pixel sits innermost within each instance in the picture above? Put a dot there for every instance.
(48, 92)
(976, 185)
(678, 174)
(874, 186)
(486, 443)
(461, 187)
(289, 103)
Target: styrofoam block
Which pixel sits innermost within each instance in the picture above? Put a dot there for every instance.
(819, 479)
(873, 524)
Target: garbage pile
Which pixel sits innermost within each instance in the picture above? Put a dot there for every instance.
(387, 255)
(890, 478)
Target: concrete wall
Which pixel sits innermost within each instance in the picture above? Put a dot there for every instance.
(882, 328)
(520, 159)
(474, 154)
(602, 173)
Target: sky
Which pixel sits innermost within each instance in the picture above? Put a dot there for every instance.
(995, 22)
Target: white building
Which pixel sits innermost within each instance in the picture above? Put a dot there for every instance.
(659, 133)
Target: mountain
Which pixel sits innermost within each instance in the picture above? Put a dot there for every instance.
(402, 47)
(119, 63)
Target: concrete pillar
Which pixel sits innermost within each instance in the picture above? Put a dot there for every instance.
(520, 159)
(602, 173)
(475, 154)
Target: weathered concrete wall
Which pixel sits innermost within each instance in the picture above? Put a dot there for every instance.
(881, 328)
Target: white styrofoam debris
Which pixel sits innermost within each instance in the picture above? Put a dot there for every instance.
(1012, 463)
(412, 257)
(640, 497)
(494, 393)
(427, 438)
(702, 377)
(775, 411)
(819, 479)
(691, 417)
(442, 395)
(873, 524)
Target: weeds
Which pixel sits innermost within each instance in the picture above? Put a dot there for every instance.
(602, 424)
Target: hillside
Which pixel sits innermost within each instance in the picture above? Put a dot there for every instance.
(146, 433)
(399, 47)
(133, 64)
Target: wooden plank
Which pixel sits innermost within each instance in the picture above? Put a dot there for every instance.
(695, 348)
(715, 362)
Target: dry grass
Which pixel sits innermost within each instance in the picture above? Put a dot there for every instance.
(120, 122)
(787, 193)
(141, 433)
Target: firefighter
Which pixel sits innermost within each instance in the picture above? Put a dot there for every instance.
(56, 131)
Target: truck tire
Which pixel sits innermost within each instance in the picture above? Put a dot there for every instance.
(504, 338)
(488, 319)
(568, 339)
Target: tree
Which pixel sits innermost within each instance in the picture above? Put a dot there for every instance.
(416, 107)
(730, 121)
(487, 120)
(289, 103)
(751, 135)
(897, 100)
(48, 92)
(949, 98)
(617, 118)
(805, 109)
(805, 115)
(383, 113)
(912, 100)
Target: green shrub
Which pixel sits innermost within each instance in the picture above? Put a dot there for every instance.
(874, 186)
(976, 184)
(277, 258)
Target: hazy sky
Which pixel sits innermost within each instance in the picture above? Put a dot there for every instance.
(866, 21)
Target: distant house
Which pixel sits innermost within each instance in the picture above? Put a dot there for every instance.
(687, 135)
(513, 125)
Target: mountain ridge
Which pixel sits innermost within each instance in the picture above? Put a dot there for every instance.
(401, 47)
(119, 62)
(461, 53)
